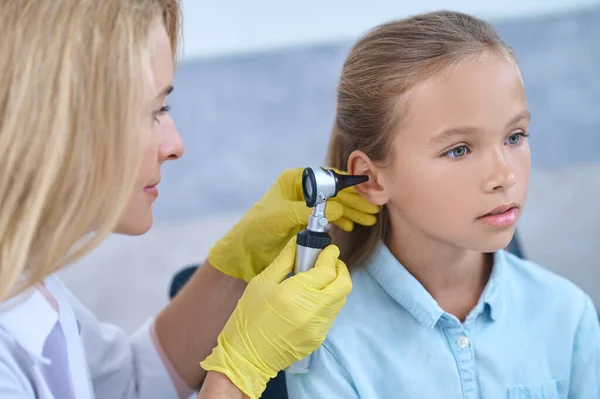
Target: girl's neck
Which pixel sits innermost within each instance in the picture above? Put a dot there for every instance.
(455, 277)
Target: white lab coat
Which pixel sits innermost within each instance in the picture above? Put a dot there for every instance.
(103, 362)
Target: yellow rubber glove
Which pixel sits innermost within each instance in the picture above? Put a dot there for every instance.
(253, 243)
(279, 321)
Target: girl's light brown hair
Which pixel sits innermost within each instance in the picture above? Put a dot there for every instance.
(372, 94)
(76, 94)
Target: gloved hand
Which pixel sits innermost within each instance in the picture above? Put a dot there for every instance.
(279, 321)
(253, 243)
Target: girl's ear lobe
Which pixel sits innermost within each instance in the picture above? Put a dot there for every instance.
(373, 190)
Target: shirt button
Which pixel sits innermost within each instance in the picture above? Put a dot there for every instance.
(463, 342)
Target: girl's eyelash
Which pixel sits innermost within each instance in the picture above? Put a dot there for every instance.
(447, 154)
(522, 135)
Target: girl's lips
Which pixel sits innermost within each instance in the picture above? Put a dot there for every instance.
(504, 219)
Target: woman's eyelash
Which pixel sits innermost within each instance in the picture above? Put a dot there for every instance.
(162, 110)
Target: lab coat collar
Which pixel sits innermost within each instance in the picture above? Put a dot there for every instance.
(16, 316)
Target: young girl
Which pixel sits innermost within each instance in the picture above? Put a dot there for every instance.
(433, 109)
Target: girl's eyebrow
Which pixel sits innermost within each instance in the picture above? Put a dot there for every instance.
(468, 130)
(448, 134)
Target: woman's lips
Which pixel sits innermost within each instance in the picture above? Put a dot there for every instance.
(152, 190)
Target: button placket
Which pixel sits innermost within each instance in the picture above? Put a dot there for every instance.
(462, 349)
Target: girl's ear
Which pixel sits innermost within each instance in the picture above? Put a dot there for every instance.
(373, 190)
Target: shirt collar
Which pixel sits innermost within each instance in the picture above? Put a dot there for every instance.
(492, 294)
(29, 319)
(406, 290)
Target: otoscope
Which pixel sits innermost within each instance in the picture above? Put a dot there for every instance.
(318, 185)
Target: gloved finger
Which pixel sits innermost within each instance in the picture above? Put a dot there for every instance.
(291, 174)
(290, 181)
(340, 287)
(334, 211)
(356, 201)
(324, 271)
(344, 224)
(296, 214)
(359, 217)
(288, 218)
(283, 264)
(332, 297)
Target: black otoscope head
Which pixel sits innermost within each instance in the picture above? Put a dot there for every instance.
(319, 184)
(345, 181)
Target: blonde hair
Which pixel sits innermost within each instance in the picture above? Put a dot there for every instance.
(74, 98)
(380, 69)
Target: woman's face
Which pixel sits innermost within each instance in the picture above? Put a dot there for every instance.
(164, 143)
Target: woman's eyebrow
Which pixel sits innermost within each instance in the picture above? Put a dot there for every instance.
(165, 92)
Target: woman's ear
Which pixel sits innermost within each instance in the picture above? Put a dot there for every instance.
(373, 190)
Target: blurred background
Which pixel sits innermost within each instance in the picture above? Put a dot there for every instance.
(255, 94)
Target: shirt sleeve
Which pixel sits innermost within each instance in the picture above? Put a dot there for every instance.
(11, 385)
(585, 368)
(121, 367)
(326, 379)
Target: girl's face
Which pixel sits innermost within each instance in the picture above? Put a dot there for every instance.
(164, 144)
(461, 155)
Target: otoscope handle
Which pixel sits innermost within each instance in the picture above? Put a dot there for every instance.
(309, 246)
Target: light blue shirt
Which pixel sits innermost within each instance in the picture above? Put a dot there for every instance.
(532, 335)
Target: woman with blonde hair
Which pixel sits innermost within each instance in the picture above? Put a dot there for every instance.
(84, 130)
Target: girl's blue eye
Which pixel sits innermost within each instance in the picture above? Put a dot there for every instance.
(457, 152)
(515, 138)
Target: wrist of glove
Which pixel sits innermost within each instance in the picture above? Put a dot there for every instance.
(261, 234)
(279, 321)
